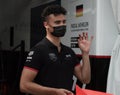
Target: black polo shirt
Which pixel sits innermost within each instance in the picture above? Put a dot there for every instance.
(55, 69)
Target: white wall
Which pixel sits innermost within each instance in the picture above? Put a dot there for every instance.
(118, 15)
(89, 15)
(116, 11)
(104, 28)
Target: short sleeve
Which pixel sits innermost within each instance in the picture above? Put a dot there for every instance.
(34, 59)
(75, 58)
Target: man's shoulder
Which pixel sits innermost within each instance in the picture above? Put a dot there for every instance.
(39, 46)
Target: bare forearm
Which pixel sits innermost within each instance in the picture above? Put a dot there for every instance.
(86, 70)
(36, 89)
(28, 86)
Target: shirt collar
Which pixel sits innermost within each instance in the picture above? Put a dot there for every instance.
(50, 44)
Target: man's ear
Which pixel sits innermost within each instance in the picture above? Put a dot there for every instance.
(45, 24)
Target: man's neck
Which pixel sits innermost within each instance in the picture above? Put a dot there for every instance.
(54, 40)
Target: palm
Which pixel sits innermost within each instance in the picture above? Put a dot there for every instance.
(83, 42)
(84, 45)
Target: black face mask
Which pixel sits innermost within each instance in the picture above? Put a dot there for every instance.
(59, 31)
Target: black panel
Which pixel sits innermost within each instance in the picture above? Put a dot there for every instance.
(99, 72)
(9, 66)
(11, 36)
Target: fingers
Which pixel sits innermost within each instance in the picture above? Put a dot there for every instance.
(68, 92)
(83, 36)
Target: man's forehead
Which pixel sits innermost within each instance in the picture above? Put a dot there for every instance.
(57, 17)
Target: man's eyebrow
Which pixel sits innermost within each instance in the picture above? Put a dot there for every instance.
(58, 21)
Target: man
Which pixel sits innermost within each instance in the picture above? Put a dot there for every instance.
(50, 65)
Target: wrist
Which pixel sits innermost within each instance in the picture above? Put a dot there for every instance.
(54, 91)
(85, 53)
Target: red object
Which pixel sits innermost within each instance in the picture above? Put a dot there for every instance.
(80, 91)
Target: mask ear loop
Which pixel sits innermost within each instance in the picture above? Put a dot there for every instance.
(46, 25)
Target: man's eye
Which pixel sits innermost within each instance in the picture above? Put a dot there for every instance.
(64, 21)
(57, 22)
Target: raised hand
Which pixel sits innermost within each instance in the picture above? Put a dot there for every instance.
(83, 42)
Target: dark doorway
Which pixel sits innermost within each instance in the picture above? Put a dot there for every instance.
(37, 28)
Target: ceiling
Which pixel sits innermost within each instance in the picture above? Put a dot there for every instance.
(10, 8)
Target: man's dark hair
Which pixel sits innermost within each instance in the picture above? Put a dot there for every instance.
(53, 9)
